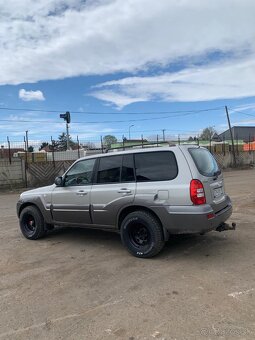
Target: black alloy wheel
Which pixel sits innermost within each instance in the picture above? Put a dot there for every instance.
(139, 234)
(142, 234)
(32, 223)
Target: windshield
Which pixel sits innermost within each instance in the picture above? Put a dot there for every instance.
(205, 162)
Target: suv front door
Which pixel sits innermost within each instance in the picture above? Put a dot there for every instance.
(71, 202)
(114, 188)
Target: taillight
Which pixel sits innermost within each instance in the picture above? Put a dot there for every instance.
(197, 193)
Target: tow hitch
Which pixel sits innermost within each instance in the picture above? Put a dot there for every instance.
(226, 226)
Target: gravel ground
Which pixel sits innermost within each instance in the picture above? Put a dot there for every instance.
(82, 284)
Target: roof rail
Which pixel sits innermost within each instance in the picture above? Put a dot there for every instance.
(140, 145)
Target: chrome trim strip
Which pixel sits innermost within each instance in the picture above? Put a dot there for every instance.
(70, 210)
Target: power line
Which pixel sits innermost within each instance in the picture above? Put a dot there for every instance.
(111, 113)
(105, 121)
(241, 112)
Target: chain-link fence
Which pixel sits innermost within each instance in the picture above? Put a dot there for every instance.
(49, 151)
(34, 163)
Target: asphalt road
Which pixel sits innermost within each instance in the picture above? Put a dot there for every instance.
(82, 284)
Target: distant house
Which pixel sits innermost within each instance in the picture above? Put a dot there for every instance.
(249, 146)
(5, 152)
(245, 133)
(47, 148)
(216, 138)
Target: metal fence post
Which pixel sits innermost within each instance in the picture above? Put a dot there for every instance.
(53, 151)
(102, 146)
(9, 150)
(25, 161)
(224, 150)
(78, 146)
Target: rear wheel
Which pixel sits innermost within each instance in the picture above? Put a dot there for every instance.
(142, 234)
(32, 223)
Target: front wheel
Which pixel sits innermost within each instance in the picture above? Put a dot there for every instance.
(142, 234)
(32, 223)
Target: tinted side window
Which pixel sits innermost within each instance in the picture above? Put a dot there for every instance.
(80, 173)
(204, 161)
(155, 166)
(127, 172)
(109, 169)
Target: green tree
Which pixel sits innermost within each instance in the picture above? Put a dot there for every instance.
(61, 143)
(43, 145)
(108, 140)
(30, 148)
(207, 133)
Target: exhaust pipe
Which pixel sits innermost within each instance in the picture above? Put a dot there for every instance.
(225, 226)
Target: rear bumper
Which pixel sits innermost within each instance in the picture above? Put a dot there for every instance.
(196, 219)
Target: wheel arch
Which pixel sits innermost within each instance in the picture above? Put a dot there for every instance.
(27, 204)
(127, 210)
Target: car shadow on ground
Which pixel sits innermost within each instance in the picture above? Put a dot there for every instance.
(192, 246)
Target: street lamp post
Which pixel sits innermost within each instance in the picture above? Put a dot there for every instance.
(129, 131)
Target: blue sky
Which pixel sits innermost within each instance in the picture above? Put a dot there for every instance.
(173, 66)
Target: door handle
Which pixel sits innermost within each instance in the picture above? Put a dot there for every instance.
(81, 193)
(124, 191)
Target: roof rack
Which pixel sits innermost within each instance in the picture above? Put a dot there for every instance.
(141, 145)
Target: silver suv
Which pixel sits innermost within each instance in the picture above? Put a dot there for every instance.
(145, 194)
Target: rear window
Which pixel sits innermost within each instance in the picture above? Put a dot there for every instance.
(205, 162)
(155, 166)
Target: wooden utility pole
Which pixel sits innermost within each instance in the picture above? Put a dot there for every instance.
(231, 135)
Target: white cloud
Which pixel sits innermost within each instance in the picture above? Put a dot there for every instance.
(28, 96)
(246, 107)
(53, 39)
(235, 79)
(119, 99)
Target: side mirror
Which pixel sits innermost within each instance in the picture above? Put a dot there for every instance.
(59, 181)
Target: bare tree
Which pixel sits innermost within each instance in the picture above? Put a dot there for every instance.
(207, 133)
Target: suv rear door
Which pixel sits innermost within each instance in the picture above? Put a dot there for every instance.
(114, 188)
(210, 175)
(162, 177)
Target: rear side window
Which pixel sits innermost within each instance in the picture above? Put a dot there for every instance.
(205, 162)
(109, 169)
(155, 166)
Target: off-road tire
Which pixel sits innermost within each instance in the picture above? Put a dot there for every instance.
(141, 233)
(32, 223)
